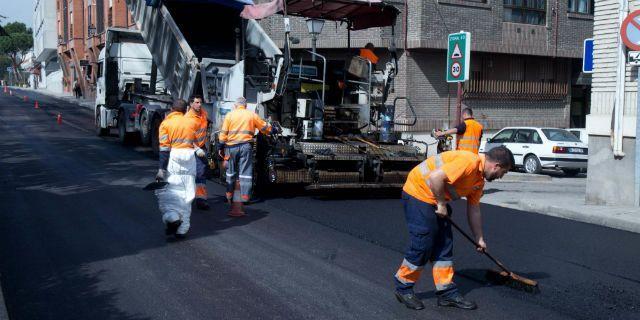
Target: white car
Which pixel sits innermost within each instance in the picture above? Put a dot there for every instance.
(537, 148)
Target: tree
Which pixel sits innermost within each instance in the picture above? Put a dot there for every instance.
(16, 45)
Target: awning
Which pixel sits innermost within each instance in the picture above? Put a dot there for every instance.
(359, 14)
(237, 4)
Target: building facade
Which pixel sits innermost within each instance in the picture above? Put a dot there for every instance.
(81, 36)
(46, 72)
(525, 60)
(612, 124)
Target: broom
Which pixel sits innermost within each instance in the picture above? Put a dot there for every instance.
(504, 277)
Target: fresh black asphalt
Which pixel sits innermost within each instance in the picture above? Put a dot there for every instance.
(80, 239)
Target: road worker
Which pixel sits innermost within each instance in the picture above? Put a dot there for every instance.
(469, 132)
(178, 168)
(367, 53)
(235, 137)
(430, 186)
(197, 114)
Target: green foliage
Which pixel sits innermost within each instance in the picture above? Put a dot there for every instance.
(17, 44)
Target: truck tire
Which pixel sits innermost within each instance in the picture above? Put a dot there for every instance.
(126, 138)
(100, 132)
(145, 129)
(154, 138)
(532, 164)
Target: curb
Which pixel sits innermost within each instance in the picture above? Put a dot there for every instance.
(614, 220)
(524, 177)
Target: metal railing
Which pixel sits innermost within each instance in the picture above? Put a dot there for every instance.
(520, 90)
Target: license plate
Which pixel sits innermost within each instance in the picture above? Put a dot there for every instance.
(576, 150)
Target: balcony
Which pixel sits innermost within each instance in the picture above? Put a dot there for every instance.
(514, 90)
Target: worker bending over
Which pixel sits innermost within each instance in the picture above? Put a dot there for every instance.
(430, 186)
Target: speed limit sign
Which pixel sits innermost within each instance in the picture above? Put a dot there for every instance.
(456, 69)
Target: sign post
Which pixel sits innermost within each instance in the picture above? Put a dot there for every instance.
(458, 63)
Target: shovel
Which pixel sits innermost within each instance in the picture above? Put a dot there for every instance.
(158, 184)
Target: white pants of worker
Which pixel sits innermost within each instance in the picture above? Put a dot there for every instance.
(175, 199)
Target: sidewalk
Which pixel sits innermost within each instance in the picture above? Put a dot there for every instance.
(554, 195)
(68, 97)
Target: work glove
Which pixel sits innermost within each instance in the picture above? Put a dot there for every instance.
(161, 175)
(200, 153)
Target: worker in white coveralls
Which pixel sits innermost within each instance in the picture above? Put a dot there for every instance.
(178, 168)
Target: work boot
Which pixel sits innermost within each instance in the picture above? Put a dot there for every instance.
(456, 300)
(410, 300)
(202, 204)
(172, 227)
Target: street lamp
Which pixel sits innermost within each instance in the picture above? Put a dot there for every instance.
(315, 28)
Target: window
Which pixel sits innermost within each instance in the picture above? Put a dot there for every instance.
(536, 137)
(581, 6)
(503, 136)
(560, 135)
(524, 136)
(525, 11)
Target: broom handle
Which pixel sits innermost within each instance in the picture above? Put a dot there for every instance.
(478, 246)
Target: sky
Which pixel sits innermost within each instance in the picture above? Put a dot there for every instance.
(17, 10)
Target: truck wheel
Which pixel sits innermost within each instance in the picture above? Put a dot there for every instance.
(99, 130)
(532, 164)
(145, 129)
(126, 138)
(571, 172)
(154, 138)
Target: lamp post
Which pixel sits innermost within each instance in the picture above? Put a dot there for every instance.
(315, 28)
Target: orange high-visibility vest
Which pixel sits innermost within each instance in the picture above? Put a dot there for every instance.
(470, 139)
(240, 126)
(200, 123)
(176, 132)
(465, 177)
(369, 55)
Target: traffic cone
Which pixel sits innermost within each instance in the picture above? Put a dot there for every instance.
(36, 106)
(6, 90)
(25, 98)
(237, 209)
(59, 119)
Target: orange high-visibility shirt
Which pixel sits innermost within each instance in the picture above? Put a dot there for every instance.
(240, 126)
(465, 177)
(176, 132)
(201, 123)
(470, 139)
(369, 55)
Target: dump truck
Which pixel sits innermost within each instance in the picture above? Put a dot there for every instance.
(336, 118)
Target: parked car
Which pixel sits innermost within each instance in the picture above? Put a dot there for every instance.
(538, 148)
(581, 133)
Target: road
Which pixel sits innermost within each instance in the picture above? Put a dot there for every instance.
(79, 239)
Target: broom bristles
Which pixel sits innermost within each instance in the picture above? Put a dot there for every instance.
(512, 280)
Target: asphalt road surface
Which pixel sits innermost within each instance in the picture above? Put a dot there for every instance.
(79, 239)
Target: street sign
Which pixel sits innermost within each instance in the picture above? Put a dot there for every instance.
(630, 31)
(587, 56)
(634, 58)
(458, 57)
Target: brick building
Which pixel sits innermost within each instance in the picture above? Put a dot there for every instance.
(525, 60)
(81, 36)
